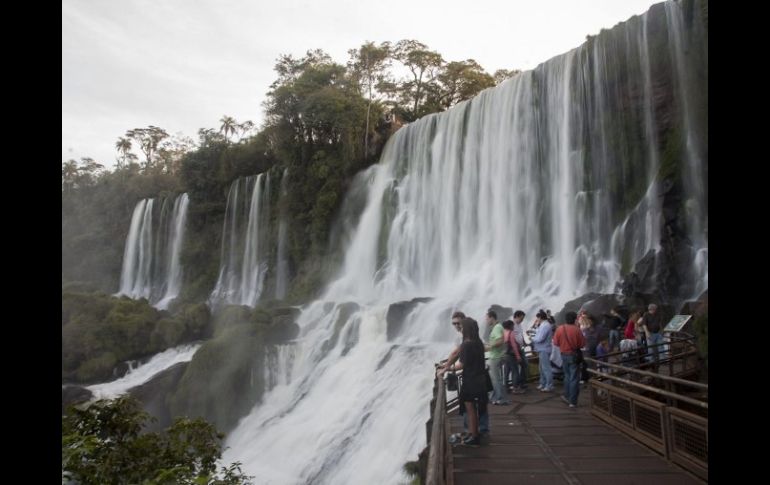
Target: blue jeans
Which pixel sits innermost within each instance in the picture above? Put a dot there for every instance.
(546, 373)
(496, 373)
(512, 368)
(571, 384)
(521, 378)
(654, 339)
(614, 339)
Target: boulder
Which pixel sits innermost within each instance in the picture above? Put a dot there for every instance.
(397, 313)
(154, 393)
(72, 395)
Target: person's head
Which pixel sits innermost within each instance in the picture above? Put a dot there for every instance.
(614, 312)
(508, 324)
(605, 343)
(570, 318)
(635, 314)
(518, 316)
(470, 329)
(491, 317)
(457, 319)
(541, 315)
(652, 308)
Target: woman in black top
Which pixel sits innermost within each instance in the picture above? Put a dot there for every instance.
(474, 382)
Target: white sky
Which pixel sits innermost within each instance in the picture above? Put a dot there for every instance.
(182, 64)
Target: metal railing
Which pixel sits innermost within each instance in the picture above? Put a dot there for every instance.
(666, 420)
(678, 356)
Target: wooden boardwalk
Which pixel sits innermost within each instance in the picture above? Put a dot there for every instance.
(539, 440)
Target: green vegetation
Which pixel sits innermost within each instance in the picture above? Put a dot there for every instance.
(104, 444)
(99, 331)
(225, 378)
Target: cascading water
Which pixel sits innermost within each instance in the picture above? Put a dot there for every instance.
(281, 263)
(151, 267)
(245, 249)
(528, 195)
(143, 373)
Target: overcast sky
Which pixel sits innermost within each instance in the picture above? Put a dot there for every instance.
(182, 64)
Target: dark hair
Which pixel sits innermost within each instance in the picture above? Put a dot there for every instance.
(541, 315)
(470, 330)
(570, 317)
(508, 324)
(492, 313)
(459, 315)
(518, 313)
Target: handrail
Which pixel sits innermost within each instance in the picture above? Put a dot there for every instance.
(675, 380)
(672, 395)
(673, 339)
(437, 442)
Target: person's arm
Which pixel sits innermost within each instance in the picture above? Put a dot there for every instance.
(495, 340)
(450, 361)
(455, 353)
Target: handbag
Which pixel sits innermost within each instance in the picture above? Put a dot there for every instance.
(579, 356)
(451, 381)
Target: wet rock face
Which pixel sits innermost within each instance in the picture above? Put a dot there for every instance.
(397, 313)
(71, 394)
(153, 395)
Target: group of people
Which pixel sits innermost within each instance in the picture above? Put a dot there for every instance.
(643, 332)
(503, 349)
(501, 358)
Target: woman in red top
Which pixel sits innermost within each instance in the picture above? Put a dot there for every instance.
(631, 325)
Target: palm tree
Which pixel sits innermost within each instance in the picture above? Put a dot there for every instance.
(123, 146)
(228, 127)
(69, 173)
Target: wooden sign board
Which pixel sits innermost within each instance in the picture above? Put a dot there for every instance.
(677, 323)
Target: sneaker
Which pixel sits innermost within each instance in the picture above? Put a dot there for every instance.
(469, 441)
(564, 399)
(539, 387)
(545, 389)
(518, 391)
(572, 406)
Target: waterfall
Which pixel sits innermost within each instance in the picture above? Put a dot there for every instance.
(528, 195)
(151, 265)
(245, 249)
(174, 273)
(281, 263)
(143, 373)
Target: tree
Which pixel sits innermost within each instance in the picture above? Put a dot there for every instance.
(423, 64)
(69, 175)
(245, 127)
(502, 74)
(171, 152)
(459, 81)
(123, 146)
(368, 64)
(148, 140)
(104, 444)
(228, 127)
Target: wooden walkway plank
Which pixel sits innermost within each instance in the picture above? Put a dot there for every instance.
(538, 439)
